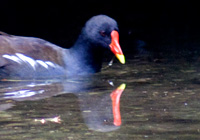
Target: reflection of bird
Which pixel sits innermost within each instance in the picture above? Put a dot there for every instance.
(29, 57)
(102, 113)
(100, 110)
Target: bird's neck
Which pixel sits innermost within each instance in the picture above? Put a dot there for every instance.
(85, 57)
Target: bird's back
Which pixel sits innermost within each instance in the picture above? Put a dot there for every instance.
(29, 57)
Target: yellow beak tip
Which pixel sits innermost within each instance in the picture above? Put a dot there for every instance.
(122, 86)
(121, 58)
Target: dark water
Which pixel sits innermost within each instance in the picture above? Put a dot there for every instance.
(160, 101)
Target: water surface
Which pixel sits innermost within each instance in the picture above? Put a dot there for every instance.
(160, 101)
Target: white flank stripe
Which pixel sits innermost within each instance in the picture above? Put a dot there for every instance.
(42, 63)
(50, 64)
(27, 59)
(12, 57)
(20, 58)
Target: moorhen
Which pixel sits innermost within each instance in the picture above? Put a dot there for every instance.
(30, 57)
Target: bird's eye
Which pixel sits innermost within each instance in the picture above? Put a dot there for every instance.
(103, 33)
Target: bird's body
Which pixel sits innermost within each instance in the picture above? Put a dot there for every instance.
(30, 57)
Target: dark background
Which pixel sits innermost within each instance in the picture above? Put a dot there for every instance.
(158, 25)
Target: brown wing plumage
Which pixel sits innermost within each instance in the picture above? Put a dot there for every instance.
(32, 47)
(29, 57)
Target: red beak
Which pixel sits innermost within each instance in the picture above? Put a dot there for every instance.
(115, 47)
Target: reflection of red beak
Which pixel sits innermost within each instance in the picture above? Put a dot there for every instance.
(115, 96)
(115, 47)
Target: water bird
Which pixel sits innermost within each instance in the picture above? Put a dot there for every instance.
(32, 57)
